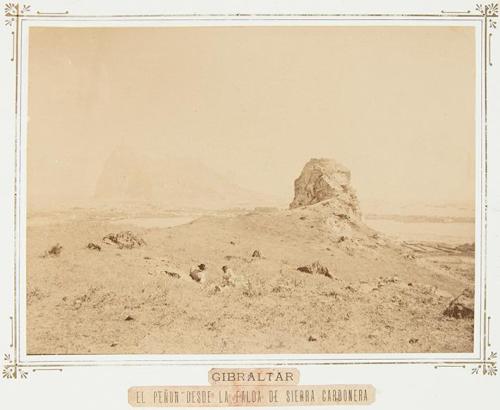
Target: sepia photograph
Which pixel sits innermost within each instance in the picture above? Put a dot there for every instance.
(302, 189)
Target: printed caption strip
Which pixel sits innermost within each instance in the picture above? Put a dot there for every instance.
(251, 388)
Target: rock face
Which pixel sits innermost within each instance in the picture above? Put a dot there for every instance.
(325, 179)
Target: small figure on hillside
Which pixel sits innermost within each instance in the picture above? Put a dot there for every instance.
(227, 276)
(198, 273)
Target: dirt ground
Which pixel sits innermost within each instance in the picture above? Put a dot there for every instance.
(383, 296)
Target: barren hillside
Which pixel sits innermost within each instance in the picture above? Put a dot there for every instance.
(321, 281)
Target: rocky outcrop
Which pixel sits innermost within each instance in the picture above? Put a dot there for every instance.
(316, 268)
(325, 179)
(462, 307)
(124, 240)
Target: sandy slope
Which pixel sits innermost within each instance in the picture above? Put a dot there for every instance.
(379, 300)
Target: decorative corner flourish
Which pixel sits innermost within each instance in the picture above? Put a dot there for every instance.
(14, 372)
(10, 12)
(13, 11)
(16, 9)
(11, 370)
(488, 367)
(490, 13)
(488, 10)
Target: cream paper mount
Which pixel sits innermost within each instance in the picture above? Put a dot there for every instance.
(19, 362)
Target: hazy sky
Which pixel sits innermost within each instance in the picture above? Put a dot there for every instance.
(394, 104)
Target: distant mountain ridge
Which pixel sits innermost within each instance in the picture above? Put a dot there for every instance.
(129, 176)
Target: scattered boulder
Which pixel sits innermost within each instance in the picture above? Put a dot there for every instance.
(461, 307)
(325, 179)
(198, 273)
(94, 246)
(124, 240)
(316, 268)
(173, 274)
(305, 269)
(256, 254)
(320, 269)
(53, 251)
